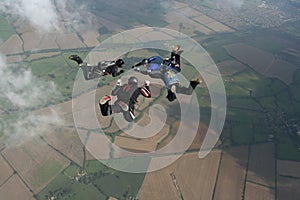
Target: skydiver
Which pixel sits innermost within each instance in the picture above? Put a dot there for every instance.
(168, 73)
(103, 68)
(155, 62)
(127, 95)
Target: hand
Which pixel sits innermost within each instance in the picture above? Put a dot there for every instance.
(147, 83)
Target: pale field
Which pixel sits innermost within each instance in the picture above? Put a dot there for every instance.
(110, 25)
(6, 171)
(98, 146)
(288, 168)
(33, 159)
(179, 5)
(189, 12)
(281, 70)
(48, 41)
(231, 177)
(90, 38)
(203, 19)
(69, 41)
(261, 168)
(141, 144)
(155, 36)
(15, 189)
(14, 59)
(258, 59)
(218, 27)
(230, 67)
(66, 141)
(34, 41)
(23, 26)
(258, 192)
(12, 45)
(189, 26)
(195, 177)
(38, 56)
(288, 188)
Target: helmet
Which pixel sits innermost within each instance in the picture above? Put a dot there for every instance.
(120, 62)
(133, 80)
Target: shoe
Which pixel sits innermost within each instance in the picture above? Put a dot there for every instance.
(76, 58)
(123, 105)
(104, 99)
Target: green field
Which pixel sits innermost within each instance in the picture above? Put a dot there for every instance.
(6, 29)
(100, 182)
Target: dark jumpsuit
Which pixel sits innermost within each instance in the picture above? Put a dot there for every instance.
(128, 93)
(103, 68)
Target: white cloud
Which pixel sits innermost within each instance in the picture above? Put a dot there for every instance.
(22, 92)
(40, 13)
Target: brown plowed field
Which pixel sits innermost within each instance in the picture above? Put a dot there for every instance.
(15, 189)
(262, 164)
(258, 192)
(231, 178)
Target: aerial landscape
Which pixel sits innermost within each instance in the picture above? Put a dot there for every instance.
(55, 144)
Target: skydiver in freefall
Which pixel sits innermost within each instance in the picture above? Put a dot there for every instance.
(103, 68)
(127, 95)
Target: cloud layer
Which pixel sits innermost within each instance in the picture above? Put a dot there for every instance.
(21, 92)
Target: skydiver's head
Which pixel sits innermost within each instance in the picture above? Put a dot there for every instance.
(133, 80)
(145, 62)
(120, 62)
(176, 48)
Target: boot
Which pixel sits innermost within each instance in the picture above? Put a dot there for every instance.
(196, 82)
(104, 100)
(76, 58)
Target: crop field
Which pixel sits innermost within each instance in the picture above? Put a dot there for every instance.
(14, 188)
(258, 192)
(6, 29)
(36, 162)
(12, 45)
(189, 172)
(5, 172)
(232, 172)
(261, 169)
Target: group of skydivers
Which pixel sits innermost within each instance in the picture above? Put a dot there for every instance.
(127, 94)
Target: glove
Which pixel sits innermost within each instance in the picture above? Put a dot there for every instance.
(119, 82)
(147, 83)
(132, 66)
(121, 71)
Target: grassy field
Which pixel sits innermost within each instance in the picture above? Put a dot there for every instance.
(99, 183)
(6, 29)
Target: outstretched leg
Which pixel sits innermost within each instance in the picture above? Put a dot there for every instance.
(76, 58)
(105, 107)
(188, 90)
